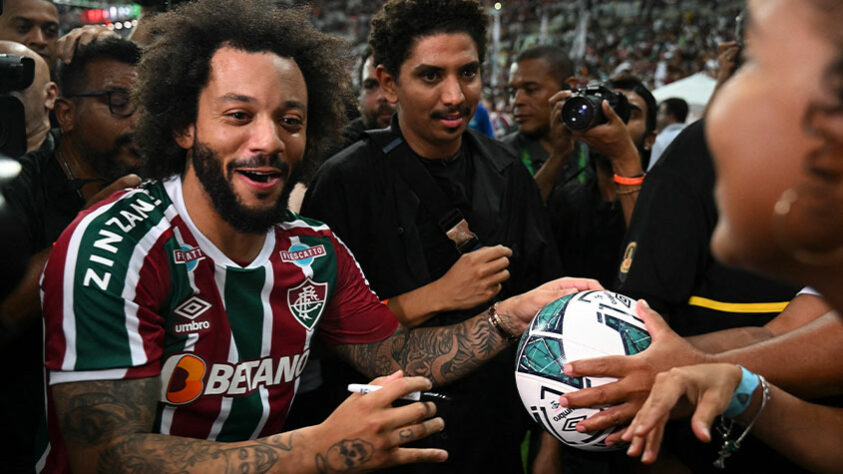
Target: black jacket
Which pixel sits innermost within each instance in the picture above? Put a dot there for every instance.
(362, 196)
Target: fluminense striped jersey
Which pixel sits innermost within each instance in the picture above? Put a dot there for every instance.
(133, 289)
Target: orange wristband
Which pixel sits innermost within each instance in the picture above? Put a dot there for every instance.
(630, 181)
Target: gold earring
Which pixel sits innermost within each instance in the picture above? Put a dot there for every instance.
(802, 255)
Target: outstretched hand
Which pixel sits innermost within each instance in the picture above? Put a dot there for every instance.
(636, 375)
(366, 432)
(518, 311)
(707, 386)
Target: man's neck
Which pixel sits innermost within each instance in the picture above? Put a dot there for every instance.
(237, 246)
(36, 137)
(75, 166)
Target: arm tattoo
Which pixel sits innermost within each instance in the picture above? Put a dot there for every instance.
(108, 424)
(94, 412)
(442, 354)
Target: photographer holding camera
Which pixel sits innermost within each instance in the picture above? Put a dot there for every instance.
(619, 148)
(26, 104)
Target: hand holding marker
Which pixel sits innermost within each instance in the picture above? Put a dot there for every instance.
(413, 396)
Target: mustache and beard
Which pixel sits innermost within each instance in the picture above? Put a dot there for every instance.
(109, 164)
(463, 110)
(376, 119)
(248, 220)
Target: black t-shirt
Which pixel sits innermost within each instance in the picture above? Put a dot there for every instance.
(454, 180)
(365, 198)
(589, 230)
(667, 259)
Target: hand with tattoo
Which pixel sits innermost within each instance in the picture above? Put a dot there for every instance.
(517, 312)
(107, 427)
(373, 431)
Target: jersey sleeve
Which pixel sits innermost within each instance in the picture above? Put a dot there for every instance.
(99, 293)
(354, 313)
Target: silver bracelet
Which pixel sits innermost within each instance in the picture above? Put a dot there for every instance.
(496, 321)
(730, 447)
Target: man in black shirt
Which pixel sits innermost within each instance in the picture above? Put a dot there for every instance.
(382, 196)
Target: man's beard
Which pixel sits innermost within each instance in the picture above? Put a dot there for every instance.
(107, 163)
(209, 169)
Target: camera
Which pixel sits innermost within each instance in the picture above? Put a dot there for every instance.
(583, 110)
(16, 73)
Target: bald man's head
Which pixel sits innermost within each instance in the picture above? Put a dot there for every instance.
(38, 99)
(33, 23)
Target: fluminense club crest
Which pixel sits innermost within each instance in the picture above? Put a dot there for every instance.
(307, 301)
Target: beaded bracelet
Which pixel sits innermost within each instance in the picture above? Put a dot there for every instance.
(730, 447)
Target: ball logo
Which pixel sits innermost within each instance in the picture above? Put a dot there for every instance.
(181, 379)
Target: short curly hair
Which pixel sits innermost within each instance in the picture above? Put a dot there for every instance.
(176, 67)
(399, 23)
(73, 76)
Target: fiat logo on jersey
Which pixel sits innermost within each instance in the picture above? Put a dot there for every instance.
(181, 379)
(307, 301)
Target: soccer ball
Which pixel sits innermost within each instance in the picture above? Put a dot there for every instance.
(578, 326)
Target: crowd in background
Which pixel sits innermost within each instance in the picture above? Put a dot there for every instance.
(659, 42)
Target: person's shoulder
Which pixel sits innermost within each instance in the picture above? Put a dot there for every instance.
(493, 148)
(687, 159)
(126, 217)
(512, 138)
(296, 225)
(355, 156)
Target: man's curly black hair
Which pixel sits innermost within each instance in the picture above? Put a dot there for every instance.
(399, 23)
(176, 67)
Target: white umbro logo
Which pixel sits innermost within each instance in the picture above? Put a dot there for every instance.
(192, 308)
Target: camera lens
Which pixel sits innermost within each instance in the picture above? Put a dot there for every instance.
(578, 113)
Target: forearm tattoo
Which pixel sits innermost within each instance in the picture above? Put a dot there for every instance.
(112, 420)
(443, 354)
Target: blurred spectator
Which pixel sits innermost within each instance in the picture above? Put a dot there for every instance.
(35, 24)
(375, 110)
(57, 182)
(38, 99)
(669, 122)
(536, 75)
(482, 121)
